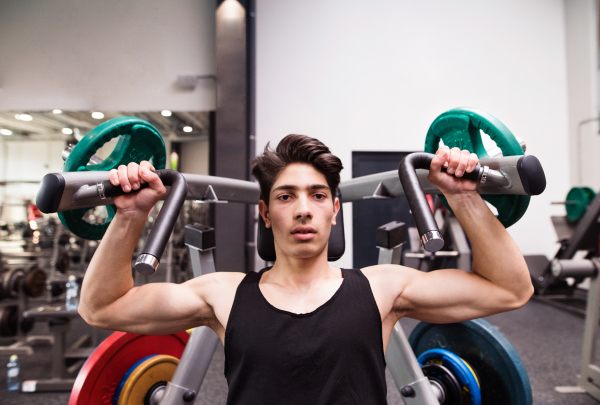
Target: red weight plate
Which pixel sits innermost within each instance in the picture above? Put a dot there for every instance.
(100, 375)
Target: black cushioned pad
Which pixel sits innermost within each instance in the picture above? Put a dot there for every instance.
(335, 250)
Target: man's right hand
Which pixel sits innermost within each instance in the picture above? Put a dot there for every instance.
(130, 178)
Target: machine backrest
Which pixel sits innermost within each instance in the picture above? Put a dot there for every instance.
(335, 250)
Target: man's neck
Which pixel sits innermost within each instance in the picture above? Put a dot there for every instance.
(302, 274)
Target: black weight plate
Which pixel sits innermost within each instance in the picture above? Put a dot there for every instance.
(11, 279)
(35, 282)
(8, 320)
(501, 373)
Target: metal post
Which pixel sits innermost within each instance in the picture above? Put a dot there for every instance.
(590, 372)
(400, 359)
(199, 350)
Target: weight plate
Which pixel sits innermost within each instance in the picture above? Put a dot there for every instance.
(11, 281)
(8, 320)
(138, 140)
(502, 376)
(35, 282)
(446, 381)
(142, 376)
(577, 202)
(460, 128)
(101, 374)
(459, 368)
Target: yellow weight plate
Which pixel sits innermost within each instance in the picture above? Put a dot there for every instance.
(155, 369)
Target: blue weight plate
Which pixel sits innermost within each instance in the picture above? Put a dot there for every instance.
(502, 376)
(126, 376)
(463, 372)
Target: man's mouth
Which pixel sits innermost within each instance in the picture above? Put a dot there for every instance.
(304, 232)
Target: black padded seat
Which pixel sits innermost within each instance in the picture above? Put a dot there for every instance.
(335, 250)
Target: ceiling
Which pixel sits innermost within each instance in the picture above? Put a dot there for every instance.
(49, 126)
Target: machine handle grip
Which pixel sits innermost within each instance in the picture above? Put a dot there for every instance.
(428, 230)
(148, 261)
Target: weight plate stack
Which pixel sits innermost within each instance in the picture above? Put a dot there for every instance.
(499, 369)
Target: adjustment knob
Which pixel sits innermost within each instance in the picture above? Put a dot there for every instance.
(408, 391)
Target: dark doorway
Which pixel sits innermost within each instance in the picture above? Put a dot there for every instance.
(368, 215)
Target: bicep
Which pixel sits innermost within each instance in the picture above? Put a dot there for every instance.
(158, 308)
(445, 296)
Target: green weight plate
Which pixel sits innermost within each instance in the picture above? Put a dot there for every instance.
(577, 202)
(502, 376)
(460, 128)
(138, 140)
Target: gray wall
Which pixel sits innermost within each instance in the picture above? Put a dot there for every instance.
(105, 55)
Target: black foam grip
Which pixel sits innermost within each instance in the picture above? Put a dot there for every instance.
(163, 227)
(113, 191)
(532, 175)
(419, 206)
(50, 193)
(475, 175)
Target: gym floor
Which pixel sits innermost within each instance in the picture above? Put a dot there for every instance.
(547, 339)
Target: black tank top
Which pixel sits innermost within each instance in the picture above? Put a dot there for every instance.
(332, 355)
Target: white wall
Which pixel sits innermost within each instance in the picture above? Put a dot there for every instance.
(373, 76)
(105, 55)
(582, 78)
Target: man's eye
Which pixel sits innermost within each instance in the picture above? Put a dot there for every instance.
(284, 197)
(320, 196)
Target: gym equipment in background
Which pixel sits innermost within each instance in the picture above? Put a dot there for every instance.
(577, 239)
(588, 380)
(60, 192)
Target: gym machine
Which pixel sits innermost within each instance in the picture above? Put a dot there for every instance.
(577, 232)
(120, 367)
(588, 380)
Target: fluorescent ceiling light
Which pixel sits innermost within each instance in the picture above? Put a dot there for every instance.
(5, 132)
(67, 131)
(23, 117)
(97, 115)
(165, 113)
(187, 129)
(57, 111)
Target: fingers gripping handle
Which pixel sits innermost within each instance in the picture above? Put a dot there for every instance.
(428, 230)
(148, 260)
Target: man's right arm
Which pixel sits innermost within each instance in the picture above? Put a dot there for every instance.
(109, 299)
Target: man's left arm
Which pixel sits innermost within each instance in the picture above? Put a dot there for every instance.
(500, 280)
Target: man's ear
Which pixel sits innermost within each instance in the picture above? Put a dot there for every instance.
(263, 210)
(336, 209)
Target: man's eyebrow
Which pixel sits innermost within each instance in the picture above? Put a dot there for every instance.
(295, 188)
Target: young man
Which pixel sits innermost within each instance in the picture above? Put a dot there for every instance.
(304, 331)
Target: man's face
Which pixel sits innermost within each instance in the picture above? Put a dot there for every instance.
(301, 211)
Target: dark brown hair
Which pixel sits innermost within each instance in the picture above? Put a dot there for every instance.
(295, 149)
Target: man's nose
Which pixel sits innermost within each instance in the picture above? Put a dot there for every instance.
(303, 208)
